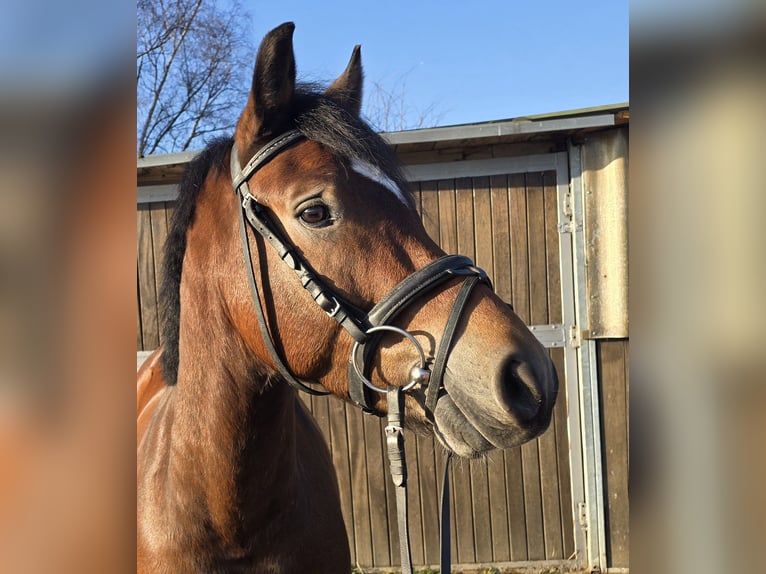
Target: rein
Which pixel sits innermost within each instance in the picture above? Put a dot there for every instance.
(365, 328)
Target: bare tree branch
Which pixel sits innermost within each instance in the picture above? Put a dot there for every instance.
(192, 64)
(388, 109)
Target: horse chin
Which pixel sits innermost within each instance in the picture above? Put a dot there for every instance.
(456, 433)
(463, 427)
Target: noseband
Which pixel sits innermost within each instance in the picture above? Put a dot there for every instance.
(366, 328)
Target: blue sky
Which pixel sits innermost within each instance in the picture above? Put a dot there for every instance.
(471, 61)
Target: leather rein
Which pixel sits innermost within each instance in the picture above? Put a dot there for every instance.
(365, 328)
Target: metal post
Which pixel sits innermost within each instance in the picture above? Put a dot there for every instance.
(588, 377)
(571, 361)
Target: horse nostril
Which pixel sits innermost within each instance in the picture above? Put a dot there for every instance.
(517, 390)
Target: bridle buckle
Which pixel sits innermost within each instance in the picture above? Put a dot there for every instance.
(336, 306)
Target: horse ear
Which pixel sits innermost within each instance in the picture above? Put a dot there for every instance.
(268, 106)
(347, 89)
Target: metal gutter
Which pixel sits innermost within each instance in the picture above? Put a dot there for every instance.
(574, 120)
(499, 129)
(166, 159)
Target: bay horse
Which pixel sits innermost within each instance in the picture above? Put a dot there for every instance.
(233, 474)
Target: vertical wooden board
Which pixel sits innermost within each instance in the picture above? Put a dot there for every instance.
(429, 203)
(357, 448)
(428, 501)
(139, 330)
(562, 452)
(538, 289)
(519, 249)
(170, 209)
(341, 460)
(501, 236)
(434, 527)
(498, 507)
(146, 280)
(549, 473)
(466, 233)
(307, 400)
(530, 457)
(517, 526)
(376, 485)
(503, 487)
(482, 210)
(453, 513)
(613, 377)
(482, 523)
(552, 249)
(140, 334)
(414, 494)
(626, 348)
(159, 235)
(538, 268)
(418, 195)
(447, 218)
(319, 408)
(461, 488)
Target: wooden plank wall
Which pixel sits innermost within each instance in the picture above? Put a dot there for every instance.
(613, 358)
(152, 228)
(515, 505)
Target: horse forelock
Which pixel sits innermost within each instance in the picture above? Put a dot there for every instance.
(322, 120)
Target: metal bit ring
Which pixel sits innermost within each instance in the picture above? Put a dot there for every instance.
(401, 332)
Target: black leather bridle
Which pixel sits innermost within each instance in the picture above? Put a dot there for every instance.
(364, 327)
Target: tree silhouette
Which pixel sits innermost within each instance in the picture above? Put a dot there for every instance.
(194, 61)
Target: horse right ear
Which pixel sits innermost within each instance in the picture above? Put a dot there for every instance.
(268, 106)
(347, 89)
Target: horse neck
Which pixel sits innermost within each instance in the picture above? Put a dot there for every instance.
(236, 430)
(234, 438)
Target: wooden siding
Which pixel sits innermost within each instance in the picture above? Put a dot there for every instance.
(513, 506)
(152, 229)
(516, 505)
(613, 366)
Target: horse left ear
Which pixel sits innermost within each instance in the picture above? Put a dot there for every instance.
(347, 88)
(270, 102)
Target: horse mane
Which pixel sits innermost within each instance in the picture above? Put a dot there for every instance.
(319, 119)
(213, 156)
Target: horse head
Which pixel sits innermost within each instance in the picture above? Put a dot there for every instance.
(329, 189)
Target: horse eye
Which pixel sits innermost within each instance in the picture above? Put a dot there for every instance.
(315, 214)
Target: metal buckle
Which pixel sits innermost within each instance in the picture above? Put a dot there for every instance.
(247, 196)
(332, 312)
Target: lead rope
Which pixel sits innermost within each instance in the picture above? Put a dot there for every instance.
(395, 440)
(445, 566)
(398, 466)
